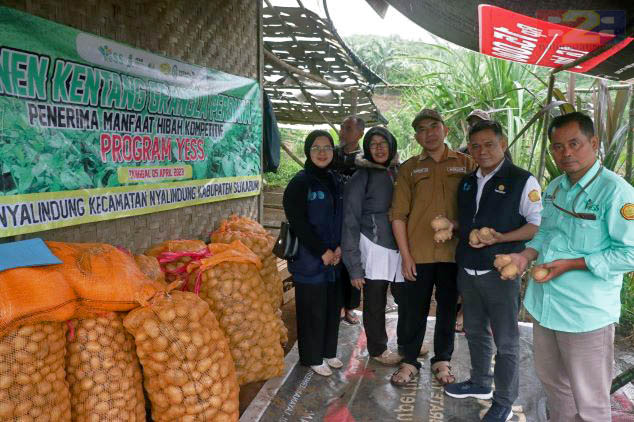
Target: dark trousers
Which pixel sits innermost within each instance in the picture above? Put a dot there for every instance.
(350, 295)
(413, 299)
(374, 301)
(317, 308)
(491, 302)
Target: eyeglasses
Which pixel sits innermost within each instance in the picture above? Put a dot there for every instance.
(318, 149)
(581, 215)
(382, 145)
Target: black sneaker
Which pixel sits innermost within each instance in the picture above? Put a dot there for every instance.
(498, 413)
(462, 390)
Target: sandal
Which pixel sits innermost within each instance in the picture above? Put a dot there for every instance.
(405, 374)
(442, 372)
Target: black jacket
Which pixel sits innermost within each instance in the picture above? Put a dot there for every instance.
(499, 209)
(313, 207)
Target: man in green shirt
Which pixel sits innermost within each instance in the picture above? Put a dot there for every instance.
(586, 244)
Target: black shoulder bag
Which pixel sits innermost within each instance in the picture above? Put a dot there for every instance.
(287, 244)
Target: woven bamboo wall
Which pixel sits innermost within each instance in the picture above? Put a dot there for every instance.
(219, 34)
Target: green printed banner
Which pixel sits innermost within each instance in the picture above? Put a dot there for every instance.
(91, 129)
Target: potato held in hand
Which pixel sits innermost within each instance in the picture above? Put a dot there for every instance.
(442, 236)
(440, 223)
(473, 237)
(540, 273)
(501, 261)
(510, 271)
(485, 234)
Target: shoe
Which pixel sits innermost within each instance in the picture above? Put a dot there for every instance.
(388, 358)
(466, 389)
(498, 413)
(334, 363)
(323, 369)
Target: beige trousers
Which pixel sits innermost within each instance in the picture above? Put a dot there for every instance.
(576, 372)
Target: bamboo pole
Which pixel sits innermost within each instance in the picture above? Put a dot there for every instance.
(610, 88)
(542, 153)
(629, 151)
(276, 61)
(291, 154)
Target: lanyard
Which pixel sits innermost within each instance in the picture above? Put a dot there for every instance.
(582, 215)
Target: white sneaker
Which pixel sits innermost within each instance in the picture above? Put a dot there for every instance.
(388, 358)
(323, 369)
(334, 363)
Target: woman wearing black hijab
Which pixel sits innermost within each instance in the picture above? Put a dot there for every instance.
(313, 207)
(370, 252)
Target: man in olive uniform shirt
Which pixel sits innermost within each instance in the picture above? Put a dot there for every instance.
(586, 243)
(426, 186)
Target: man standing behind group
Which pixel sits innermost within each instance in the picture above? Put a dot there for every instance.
(350, 133)
(505, 199)
(426, 187)
(585, 244)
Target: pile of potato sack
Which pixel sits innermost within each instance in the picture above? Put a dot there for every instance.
(186, 321)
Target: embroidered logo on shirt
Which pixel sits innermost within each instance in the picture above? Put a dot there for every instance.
(456, 169)
(421, 170)
(533, 195)
(315, 195)
(627, 211)
(591, 205)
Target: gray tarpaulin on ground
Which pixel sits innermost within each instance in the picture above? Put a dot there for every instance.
(361, 391)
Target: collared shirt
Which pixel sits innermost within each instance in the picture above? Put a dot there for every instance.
(581, 301)
(530, 205)
(424, 189)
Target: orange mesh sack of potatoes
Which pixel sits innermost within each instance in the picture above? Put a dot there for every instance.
(174, 256)
(34, 294)
(229, 281)
(241, 224)
(149, 266)
(187, 367)
(103, 371)
(103, 277)
(32, 376)
(260, 242)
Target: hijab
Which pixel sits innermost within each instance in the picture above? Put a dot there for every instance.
(322, 174)
(385, 134)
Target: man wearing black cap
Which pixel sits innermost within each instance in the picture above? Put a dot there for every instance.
(425, 188)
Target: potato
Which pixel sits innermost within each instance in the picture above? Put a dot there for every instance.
(510, 271)
(485, 234)
(179, 378)
(32, 374)
(501, 261)
(473, 237)
(440, 223)
(103, 368)
(442, 236)
(539, 273)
